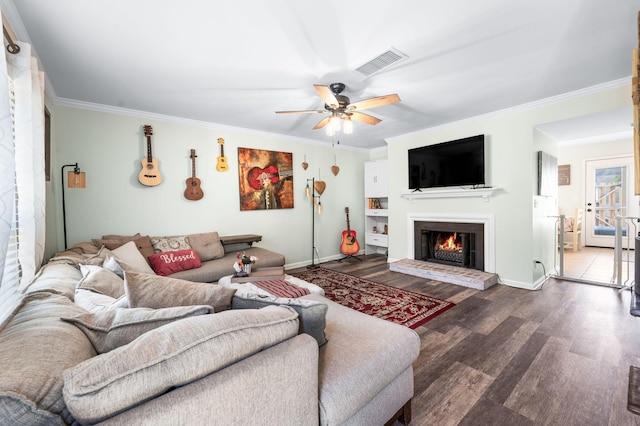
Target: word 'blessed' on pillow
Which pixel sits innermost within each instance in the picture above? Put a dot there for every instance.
(168, 262)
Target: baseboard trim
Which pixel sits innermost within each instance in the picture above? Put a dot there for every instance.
(304, 263)
(518, 284)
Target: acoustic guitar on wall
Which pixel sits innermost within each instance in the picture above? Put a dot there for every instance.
(150, 174)
(222, 165)
(349, 245)
(193, 191)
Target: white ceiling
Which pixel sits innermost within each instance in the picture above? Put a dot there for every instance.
(236, 63)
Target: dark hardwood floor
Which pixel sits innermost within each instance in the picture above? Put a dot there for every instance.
(507, 356)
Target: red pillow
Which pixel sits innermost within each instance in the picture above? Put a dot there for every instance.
(168, 262)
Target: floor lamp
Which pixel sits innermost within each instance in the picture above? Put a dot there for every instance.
(311, 192)
(75, 179)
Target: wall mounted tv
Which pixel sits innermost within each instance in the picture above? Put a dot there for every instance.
(454, 163)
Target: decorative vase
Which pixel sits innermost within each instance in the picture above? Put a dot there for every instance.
(246, 267)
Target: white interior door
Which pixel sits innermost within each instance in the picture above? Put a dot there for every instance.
(607, 193)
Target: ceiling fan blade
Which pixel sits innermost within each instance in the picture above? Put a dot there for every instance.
(327, 95)
(322, 123)
(306, 111)
(374, 102)
(364, 118)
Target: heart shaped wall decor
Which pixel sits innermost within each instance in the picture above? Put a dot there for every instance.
(319, 186)
(335, 170)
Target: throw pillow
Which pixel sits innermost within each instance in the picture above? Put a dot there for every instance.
(170, 356)
(130, 259)
(96, 302)
(168, 262)
(111, 264)
(143, 243)
(161, 244)
(98, 258)
(111, 329)
(101, 280)
(312, 314)
(153, 291)
(126, 238)
(207, 245)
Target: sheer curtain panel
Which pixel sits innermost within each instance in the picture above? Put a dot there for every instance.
(22, 186)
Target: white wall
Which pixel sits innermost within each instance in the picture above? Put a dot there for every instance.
(110, 146)
(545, 208)
(511, 166)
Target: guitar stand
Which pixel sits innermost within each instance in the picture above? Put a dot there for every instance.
(350, 256)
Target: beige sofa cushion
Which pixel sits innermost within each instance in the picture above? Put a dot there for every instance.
(361, 349)
(113, 328)
(101, 280)
(35, 348)
(57, 278)
(153, 291)
(207, 245)
(98, 258)
(171, 356)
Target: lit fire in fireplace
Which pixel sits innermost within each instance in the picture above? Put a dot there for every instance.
(450, 244)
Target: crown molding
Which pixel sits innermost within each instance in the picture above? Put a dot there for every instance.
(90, 106)
(615, 84)
(610, 137)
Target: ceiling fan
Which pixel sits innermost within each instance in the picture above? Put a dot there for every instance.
(340, 106)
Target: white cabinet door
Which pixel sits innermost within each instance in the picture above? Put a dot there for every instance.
(375, 178)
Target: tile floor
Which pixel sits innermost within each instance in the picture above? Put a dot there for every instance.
(596, 264)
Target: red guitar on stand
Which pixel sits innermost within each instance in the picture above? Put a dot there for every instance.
(349, 245)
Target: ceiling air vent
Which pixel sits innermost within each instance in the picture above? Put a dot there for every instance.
(380, 62)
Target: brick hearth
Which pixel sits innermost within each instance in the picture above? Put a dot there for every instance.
(471, 278)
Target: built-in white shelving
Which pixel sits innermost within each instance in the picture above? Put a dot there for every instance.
(376, 209)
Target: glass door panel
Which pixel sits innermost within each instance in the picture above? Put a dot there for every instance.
(607, 195)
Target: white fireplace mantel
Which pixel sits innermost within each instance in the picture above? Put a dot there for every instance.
(450, 193)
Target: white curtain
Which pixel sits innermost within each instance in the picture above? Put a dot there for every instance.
(28, 86)
(7, 168)
(22, 186)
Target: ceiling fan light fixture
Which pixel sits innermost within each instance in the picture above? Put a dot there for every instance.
(348, 126)
(334, 123)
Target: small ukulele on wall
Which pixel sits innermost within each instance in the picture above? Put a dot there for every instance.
(193, 191)
(149, 175)
(222, 165)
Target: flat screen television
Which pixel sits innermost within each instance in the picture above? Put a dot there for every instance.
(454, 163)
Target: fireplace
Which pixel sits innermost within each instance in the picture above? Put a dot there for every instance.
(450, 243)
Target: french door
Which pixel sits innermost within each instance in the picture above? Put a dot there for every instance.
(608, 193)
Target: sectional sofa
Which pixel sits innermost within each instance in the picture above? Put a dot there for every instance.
(88, 346)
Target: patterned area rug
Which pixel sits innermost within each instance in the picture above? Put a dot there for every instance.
(393, 304)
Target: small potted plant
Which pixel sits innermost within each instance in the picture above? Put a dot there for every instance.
(244, 263)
